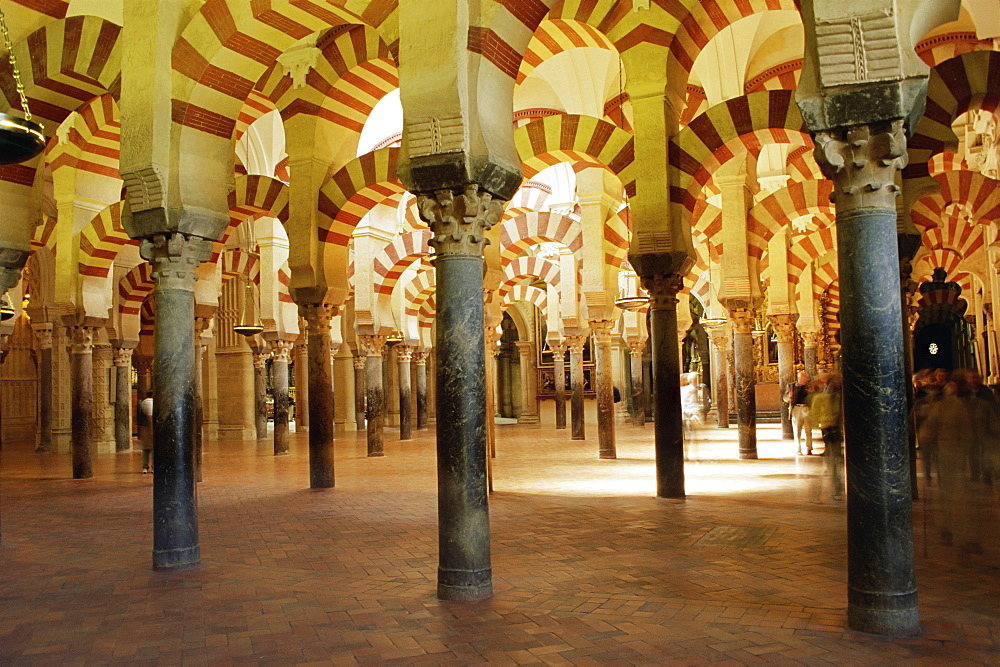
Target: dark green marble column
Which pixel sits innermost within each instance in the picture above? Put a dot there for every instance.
(559, 378)
(459, 222)
(862, 161)
(374, 393)
(320, 394)
(82, 378)
(174, 258)
(576, 380)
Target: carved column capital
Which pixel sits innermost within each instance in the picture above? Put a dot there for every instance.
(576, 343)
(81, 339)
(720, 340)
(123, 356)
(662, 289)
(862, 161)
(636, 348)
(359, 360)
(175, 259)
(420, 356)
(459, 222)
(558, 348)
(784, 326)
(372, 345)
(742, 319)
(317, 317)
(281, 350)
(260, 358)
(811, 338)
(404, 353)
(43, 332)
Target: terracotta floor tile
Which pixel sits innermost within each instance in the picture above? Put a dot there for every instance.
(589, 568)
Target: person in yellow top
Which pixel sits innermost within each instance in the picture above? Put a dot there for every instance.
(827, 413)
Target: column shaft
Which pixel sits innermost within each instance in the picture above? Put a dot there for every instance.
(421, 382)
(302, 386)
(577, 415)
(260, 394)
(374, 394)
(82, 368)
(175, 512)
(559, 379)
(404, 356)
(279, 371)
(321, 429)
(669, 423)
(359, 391)
(638, 390)
(465, 570)
(44, 334)
(605, 390)
(746, 398)
(123, 399)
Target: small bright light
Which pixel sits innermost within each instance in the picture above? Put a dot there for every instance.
(933, 348)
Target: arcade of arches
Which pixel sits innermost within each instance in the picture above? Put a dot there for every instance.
(439, 214)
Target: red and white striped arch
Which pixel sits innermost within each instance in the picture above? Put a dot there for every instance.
(92, 142)
(134, 287)
(355, 70)
(523, 268)
(398, 256)
(355, 189)
(555, 36)
(782, 206)
(742, 124)
(64, 64)
(229, 44)
(533, 295)
(528, 229)
(969, 81)
(573, 138)
(101, 241)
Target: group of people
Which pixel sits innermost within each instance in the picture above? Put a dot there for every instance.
(818, 404)
(956, 419)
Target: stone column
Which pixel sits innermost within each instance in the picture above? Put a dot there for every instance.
(404, 355)
(636, 351)
(784, 328)
(908, 245)
(529, 393)
(720, 344)
(491, 338)
(359, 361)
(662, 284)
(260, 391)
(374, 393)
(43, 332)
(810, 343)
(862, 162)
(746, 398)
(82, 367)
(458, 223)
(280, 352)
(605, 383)
(577, 415)
(420, 356)
(302, 386)
(174, 258)
(321, 429)
(123, 399)
(104, 416)
(559, 380)
(201, 325)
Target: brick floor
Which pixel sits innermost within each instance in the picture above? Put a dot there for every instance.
(589, 568)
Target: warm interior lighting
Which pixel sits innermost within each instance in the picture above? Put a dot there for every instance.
(6, 309)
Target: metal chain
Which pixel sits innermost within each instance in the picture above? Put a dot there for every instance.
(13, 66)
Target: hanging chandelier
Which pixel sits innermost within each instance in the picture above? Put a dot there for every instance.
(20, 138)
(6, 309)
(250, 324)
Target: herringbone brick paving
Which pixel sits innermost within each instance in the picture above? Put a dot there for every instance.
(589, 568)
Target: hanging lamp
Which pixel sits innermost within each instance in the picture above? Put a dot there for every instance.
(20, 138)
(6, 309)
(250, 324)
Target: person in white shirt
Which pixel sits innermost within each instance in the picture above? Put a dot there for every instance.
(146, 431)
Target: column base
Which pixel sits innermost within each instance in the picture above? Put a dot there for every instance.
(883, 614)
(465, 585)
(528, 419)
(237, 433)
(177, 559)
